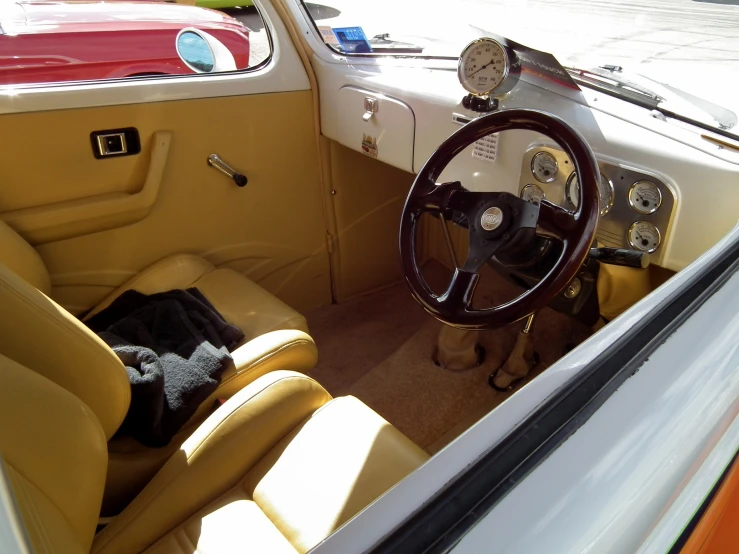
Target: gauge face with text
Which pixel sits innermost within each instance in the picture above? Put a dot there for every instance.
(483, 66)
(544, 167)
(645, 197)
(605, 192)
(644, 236)
(533, 194)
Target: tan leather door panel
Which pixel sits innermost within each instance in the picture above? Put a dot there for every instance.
(273, 230)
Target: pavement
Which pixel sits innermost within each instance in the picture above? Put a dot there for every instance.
(692, 45)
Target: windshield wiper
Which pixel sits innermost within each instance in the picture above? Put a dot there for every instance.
(607, 79)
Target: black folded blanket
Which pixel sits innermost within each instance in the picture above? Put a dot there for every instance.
(175, 347)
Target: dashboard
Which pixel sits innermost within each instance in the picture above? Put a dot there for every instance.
(689, 183)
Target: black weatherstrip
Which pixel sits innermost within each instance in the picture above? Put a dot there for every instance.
(445, 519)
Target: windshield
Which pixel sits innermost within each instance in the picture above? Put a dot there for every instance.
(692, 46)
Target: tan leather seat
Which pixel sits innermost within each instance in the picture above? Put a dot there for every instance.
(39, 333)
(277, 468)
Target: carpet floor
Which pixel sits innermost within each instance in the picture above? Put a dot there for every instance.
(379, 348)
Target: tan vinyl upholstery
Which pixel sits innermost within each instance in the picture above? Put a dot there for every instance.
(54, 453)
(241, 301)
(40, 334)
(277, 468)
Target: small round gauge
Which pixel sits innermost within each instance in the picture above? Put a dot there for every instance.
(483, 66)
(532, 193)
(544, 167)
(644, 236)
(645, 197)
(605, 192)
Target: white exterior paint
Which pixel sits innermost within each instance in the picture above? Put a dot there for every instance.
(284, 72)
(606, 487)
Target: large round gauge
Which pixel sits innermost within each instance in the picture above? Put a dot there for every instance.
(533, 194)
(644, 236)
(605, 192)
(645, 197)
(483, 66)
(544, 167)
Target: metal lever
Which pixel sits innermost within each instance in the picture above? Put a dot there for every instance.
(214, 160)
(371, 107)
(620, 256)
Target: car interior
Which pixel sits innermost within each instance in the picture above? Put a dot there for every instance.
(385, 307)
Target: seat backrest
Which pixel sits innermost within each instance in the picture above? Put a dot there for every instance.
(38, 333)
(23, 259)
(55, 457)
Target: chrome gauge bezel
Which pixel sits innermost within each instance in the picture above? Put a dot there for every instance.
(460, 66)
(603, 181)
(635, 206)
(533, 164)
(530, 187)
(641, 248)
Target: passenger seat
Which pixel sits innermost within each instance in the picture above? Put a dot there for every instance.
(37, 332)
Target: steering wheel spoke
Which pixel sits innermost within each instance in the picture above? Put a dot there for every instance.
(436, 198)
(461, 289)
(554, 222)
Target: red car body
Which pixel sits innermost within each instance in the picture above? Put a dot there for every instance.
(45, 42)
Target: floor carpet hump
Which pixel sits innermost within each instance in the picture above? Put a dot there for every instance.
(379, 348)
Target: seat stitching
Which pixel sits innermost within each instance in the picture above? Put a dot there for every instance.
(35, 516)
(161, 263)
(183, 537)
(197, 449)
(51, 501)
(68, 329)
(132, 282)
(266, 357)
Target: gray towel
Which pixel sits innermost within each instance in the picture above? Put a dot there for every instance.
(175, 347)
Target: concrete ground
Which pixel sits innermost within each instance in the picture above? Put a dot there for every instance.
(690, 44)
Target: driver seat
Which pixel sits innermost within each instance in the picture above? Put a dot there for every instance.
(277, 468)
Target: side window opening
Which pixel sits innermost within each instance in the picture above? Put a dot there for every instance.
(49, 43)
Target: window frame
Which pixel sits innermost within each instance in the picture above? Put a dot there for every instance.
(281, 71)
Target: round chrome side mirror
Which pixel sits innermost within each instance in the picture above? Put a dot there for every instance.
(202, 52)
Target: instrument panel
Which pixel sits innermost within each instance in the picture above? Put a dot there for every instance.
(635, 207)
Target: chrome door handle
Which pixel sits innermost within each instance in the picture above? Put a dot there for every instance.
(214, 160)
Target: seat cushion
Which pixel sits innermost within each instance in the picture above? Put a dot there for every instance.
(232, 524)
(247, 305)
(317, 477)
(241, 301)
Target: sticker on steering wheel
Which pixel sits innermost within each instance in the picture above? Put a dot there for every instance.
(486, 149)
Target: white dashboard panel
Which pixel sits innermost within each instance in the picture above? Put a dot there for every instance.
(376, 125)
(703, 178)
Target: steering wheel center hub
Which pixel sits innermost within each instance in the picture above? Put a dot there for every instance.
(492, 218)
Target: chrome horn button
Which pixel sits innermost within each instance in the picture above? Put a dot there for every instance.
(491, 219)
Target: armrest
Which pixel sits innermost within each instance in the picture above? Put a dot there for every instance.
(215, 457)
(82, 216)
(287, 349)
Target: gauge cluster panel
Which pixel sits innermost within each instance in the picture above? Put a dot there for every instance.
(635, 207)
